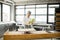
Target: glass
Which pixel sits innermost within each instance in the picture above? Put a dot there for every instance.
(19, 11)
(6, 12)
(41, 18)
(19, 19)
(41, 5)
(51, 18)
(32, 11)
(19, 7)
(32, 16)
(51, 11)
(41, 11)
(30, 6)
(56, 5)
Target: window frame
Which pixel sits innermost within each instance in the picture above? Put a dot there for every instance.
(0, 12)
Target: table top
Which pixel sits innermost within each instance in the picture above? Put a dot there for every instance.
(31, 32)
(32, 35)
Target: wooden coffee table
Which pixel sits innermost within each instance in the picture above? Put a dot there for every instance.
(17, 35)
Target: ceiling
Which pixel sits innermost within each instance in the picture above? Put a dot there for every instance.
(23, 2)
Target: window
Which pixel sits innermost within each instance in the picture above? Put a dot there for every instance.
(19, 7)
(30, 6)
(41, 6)
(41, 10)
(19, 19)
(32, 12)
(19, 14)
(6, 13)
(54, 6)
(51, 19)
(32, 9)
(41, 13)
(51, 13)
(20, 11)
(41, 18)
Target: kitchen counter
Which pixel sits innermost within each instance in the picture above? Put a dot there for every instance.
(14, 35)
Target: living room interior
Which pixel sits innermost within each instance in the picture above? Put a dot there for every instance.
(44, 22)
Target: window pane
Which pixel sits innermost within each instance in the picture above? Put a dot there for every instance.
(32, 16)
(30, 6)
(32, 11)
(41, 5)
(19, 19)
(51, 11)
(41, 18)
(19, 7)
(41, 11)
(6, 13)
(51, 19)
(54, 6)
(19, 11)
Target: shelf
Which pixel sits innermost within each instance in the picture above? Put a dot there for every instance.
(58, 23)
(57, 18)
(57, 14)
